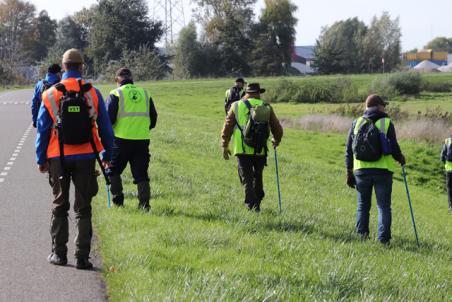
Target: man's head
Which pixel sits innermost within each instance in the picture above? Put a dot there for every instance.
(55, 69)
(254, 90)
(73, 60)
(240, 83)
(123, 74)
(375, 101)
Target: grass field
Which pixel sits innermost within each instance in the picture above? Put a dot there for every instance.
(200, 244)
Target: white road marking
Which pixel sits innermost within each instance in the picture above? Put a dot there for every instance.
(10, 163)
(2, 180)
(7, 168)
(3, 173)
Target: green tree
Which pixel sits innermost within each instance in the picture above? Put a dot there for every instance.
(266, 57)
(339, 48)
(118, 25)
(440, 44)
(188, 58)
(278, 18)
(227, 25)
(382, 41)
(44, 37)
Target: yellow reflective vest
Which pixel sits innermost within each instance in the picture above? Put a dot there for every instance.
(448, 164)
(241, 113)
(133, 119)
(386, 161)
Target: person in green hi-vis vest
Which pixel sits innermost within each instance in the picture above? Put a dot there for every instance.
(446, 157)
(132, 114)
(251, 162)
(369, 175)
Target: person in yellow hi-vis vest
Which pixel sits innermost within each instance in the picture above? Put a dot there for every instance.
(132, 114)
(371, 150)
(250, 121)
(446, 157)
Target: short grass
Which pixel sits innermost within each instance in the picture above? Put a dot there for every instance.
(200, 244)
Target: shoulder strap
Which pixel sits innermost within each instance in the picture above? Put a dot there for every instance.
(247, 104)
(60, 87)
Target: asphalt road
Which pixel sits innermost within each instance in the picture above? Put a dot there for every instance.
(25, 203)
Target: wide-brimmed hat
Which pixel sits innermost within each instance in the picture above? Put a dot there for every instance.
(374, 100)
(73, 56)
(254, 88)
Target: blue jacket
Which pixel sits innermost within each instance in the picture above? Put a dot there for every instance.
(374, 116)
(52, 79)
(45, 124)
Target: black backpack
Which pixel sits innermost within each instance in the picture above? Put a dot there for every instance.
(257, 129)
(366, 144)
(75, 123)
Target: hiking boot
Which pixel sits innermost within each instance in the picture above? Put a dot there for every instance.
(116, 190)
(55, 259)
(363, 236)
(118, 200)
(257, 207)
(83, 263)
(385, 242)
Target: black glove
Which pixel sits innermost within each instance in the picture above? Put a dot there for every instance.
(402, 160)
(351, 181)
(34, 125)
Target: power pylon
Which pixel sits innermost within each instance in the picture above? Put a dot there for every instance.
(171, 13)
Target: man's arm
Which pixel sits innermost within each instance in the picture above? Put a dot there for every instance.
(396, 152)
(105, 129)
(348, 150)
(275, 127)
(444, 153)
(152, 114)
(36, 102)
(112, 108)
(44, 128)
(228, 129)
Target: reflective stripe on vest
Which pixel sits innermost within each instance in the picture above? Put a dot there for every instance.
(51, 100)
(448, 164)
(241, 113)
(133, 119)
(386, 162)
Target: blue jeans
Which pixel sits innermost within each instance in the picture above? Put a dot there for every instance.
(383, 191)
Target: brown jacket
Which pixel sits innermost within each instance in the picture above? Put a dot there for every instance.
(230, 122)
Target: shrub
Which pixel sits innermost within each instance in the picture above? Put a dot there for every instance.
(436, 87)
(340, 90)
(402, 83)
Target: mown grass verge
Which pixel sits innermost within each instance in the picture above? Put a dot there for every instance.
(200, 244)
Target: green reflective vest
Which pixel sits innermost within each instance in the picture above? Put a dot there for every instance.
(386, 161)
(241, 113)
(448, 165)
(133, 120)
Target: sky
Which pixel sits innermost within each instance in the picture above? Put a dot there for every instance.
(419, 23)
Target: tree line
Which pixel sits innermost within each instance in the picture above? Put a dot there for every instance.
(114, 33)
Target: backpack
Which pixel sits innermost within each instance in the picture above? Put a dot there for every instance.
(74, 118)
(367, 144)
(257, 129)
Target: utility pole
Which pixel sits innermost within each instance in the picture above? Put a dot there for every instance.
(171, 13)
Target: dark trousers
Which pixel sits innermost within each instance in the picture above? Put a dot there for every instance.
(135, 152)
(449, 188)
(82, 174)
(250, 169)
(383, 190)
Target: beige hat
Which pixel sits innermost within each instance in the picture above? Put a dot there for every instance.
(73, 56)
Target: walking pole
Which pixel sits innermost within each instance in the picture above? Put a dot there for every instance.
(277, 181)
(409, 203)
(108, 195)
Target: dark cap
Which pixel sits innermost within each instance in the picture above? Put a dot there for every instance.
(124, 72)
(54, 68)
(374, 100)
(240, 80)
(254, 88)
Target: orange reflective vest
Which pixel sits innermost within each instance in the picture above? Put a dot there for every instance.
(51, 99)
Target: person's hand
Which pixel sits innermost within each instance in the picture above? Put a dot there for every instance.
(402, 160)
(44, 168)
(351, 181)
(34, 124)
(106, 164)
(226, 153)
(274, 143)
